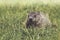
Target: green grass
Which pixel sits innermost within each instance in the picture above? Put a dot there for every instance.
(13, 17)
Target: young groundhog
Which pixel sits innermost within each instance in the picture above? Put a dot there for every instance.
(37, 19)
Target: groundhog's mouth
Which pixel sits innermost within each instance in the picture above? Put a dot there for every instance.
(30, 20)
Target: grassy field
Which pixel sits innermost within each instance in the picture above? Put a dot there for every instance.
(13, 17)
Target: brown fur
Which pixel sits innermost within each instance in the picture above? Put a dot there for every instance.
(37, 19)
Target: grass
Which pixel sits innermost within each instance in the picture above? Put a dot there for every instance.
(13, 17)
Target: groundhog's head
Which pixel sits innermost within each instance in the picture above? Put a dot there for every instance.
(33, 16)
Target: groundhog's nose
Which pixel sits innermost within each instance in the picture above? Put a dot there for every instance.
(30, 19)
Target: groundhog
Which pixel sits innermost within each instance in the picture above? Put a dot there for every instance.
(37, 19)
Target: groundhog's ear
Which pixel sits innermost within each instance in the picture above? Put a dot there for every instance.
(38, 12)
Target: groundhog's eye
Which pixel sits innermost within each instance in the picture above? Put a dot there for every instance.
(34, 15)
